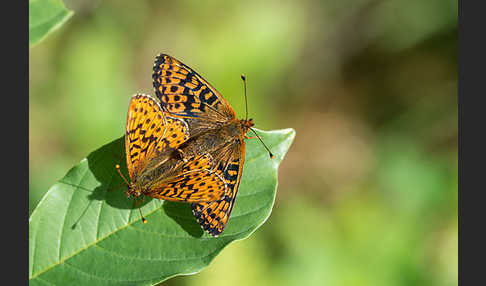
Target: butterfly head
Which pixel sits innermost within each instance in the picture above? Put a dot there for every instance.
(133, 191)
(247, 124)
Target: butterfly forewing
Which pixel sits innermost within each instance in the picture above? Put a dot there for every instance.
(148, 132)
(185, 93)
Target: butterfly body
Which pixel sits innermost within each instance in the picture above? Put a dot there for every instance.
(215, 140)
(142, 184)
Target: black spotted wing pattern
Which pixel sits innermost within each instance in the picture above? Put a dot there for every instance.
(196, 182)
(185, 93)
(213, 216)
(149, 131)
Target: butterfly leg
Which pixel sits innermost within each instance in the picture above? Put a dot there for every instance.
(248, 137)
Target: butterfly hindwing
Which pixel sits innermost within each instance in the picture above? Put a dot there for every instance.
(213, 216)
(148, 131)
(185, 93)
(195, 182)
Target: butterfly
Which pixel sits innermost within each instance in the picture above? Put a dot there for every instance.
(214, 131)
(151, 141)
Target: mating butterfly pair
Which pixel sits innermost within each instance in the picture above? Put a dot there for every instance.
(189, 147)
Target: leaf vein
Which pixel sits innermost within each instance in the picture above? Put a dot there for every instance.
(45, 281)
(65, 215)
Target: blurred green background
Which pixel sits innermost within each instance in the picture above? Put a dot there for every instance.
(368, 191)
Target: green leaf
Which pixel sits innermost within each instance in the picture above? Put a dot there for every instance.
(45, 16)
(85, 231)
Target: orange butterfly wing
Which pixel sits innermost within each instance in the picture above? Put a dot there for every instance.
(195, 182)
(149, 131)
(185, 93)
(213, 216)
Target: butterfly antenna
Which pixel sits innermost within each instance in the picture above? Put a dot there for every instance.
(258, 136)
(140, 210)
(121, 175)
(143, 219)
(246, 98)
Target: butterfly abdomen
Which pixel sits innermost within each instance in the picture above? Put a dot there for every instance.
(159, 172)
